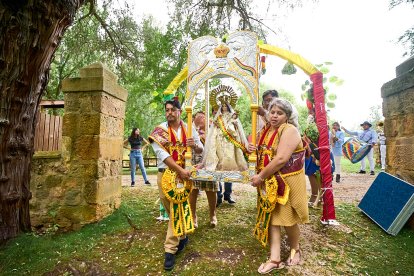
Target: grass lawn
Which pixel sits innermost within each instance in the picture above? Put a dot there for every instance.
(115, 246)
(347, 166)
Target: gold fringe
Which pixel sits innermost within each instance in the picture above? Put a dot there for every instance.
(180, 211)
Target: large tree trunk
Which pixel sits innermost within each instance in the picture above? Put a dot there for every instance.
(30, 31)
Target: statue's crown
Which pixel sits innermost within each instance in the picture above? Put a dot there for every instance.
(221, 51)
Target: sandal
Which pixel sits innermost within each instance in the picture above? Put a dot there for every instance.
(290, 261)
(312, 200)
(213, 222)
(274, 265)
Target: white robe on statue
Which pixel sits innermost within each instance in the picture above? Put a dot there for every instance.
(220, 154)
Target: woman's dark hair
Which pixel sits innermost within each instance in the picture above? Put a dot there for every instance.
(198, 112)
(133, 132)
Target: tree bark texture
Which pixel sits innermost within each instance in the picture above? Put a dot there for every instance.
(30, 31)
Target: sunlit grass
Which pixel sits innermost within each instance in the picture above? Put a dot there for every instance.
(348, 167)
(115, 246)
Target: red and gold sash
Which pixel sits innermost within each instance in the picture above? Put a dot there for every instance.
(167, 139)
(175, 190)
(177, 148)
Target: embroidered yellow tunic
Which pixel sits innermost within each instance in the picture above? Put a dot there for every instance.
(296, 208)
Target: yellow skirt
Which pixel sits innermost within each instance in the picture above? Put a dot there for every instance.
(296, 208)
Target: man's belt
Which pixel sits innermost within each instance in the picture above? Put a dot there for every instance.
(161, 170)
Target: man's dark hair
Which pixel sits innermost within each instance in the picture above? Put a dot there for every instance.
(272, 92)
(174, 103)
(198, 112)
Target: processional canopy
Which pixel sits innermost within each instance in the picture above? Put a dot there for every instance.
(236, 58)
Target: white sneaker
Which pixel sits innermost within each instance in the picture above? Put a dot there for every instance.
(160, 218)
(166, 219)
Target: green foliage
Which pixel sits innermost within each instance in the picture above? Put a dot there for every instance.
(89, 41)
(328, 82)
(289, 69)
(407, 38)
(144, 57)
(375, 115)
(243, 108)
(158, 65)
(312, 132)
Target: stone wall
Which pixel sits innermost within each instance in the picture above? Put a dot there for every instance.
(82, 184)
(398, 110)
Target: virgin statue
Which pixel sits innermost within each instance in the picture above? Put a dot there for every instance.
(226, 143)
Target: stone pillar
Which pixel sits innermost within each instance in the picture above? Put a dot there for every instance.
(92, 138)
(398, 110)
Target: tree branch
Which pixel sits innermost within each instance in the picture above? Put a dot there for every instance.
(92, 4)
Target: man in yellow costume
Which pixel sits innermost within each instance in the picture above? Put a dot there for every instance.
(169, 141)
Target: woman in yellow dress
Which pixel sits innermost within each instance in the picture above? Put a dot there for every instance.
(226, 144)
(280, 180)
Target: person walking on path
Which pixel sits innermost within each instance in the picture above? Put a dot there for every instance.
(368, 136)
(337, 140)
(135, 141)
(281, 185)
(383, 146)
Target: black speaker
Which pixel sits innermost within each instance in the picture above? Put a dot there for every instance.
(389, 202)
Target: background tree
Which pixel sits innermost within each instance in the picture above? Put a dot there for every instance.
(407, 38)
(375, 115)
(160, 59)
(105, 33)
(30, 31)
(224, 15)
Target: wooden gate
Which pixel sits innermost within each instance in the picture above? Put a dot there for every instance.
(48, 133)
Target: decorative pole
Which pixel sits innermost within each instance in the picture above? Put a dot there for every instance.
(187, 155)
(328, 214)
(253, 157)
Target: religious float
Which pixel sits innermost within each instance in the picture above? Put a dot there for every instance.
(241, 57)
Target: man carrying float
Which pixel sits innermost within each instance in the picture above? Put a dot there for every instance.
(169, 141)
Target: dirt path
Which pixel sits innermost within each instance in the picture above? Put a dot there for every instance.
(351, 189)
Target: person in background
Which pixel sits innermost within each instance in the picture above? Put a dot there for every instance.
(383, 146)
(337, 140)
(228, 190)
(267, 97)
(135, 141)
(163, 214)
(368, 136)
(210, 187)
